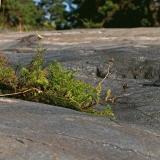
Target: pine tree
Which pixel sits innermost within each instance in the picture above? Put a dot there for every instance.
(131, 14)
(21, 14)
(54, 11)
(115, 13)
(93, 13)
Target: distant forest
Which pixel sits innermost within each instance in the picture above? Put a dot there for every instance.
(72, 14)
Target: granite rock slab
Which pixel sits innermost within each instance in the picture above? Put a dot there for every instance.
(31, 130)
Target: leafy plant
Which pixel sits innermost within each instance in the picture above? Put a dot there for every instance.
(54, 85)
(19, 15)
(8, 79)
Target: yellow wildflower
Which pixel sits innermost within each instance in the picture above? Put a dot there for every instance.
(40, 36)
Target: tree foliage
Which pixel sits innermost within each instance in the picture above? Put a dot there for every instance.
(52, 14)
(94, 13)
(132, 14)
(21, 14)
(115, 13)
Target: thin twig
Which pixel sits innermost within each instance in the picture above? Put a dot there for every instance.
(124, 89)
(108, 70)
(12, 94)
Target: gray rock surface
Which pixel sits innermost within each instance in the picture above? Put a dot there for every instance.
(37, 131)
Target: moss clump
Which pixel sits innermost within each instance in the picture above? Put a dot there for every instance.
(53, 85)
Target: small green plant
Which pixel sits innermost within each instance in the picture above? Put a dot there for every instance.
(53, 85)
(89, 24)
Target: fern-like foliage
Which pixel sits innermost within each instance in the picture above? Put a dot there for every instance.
(8, 79)
(58, 86)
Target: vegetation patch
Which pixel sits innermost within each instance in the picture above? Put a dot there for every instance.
(53, 85)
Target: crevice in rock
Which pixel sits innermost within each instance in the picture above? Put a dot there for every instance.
(19, 140)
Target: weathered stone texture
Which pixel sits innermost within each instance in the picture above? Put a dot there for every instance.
(37, 131)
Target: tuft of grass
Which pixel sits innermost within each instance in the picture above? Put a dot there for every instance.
(54, 85)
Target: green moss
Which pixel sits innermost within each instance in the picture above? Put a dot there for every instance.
(57, 86)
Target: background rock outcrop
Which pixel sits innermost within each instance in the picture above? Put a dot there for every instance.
(37, 131)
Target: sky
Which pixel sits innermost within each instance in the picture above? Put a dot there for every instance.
(67, 7)
(37, 0)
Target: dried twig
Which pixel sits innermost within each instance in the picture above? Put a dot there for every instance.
(12, 94)
(108, 70)
(124, 89)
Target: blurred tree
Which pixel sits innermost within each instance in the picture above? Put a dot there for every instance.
(54, 12)
(132, 13)
(115, 13)
(92, 13)
(21, 14)
(154, 7)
